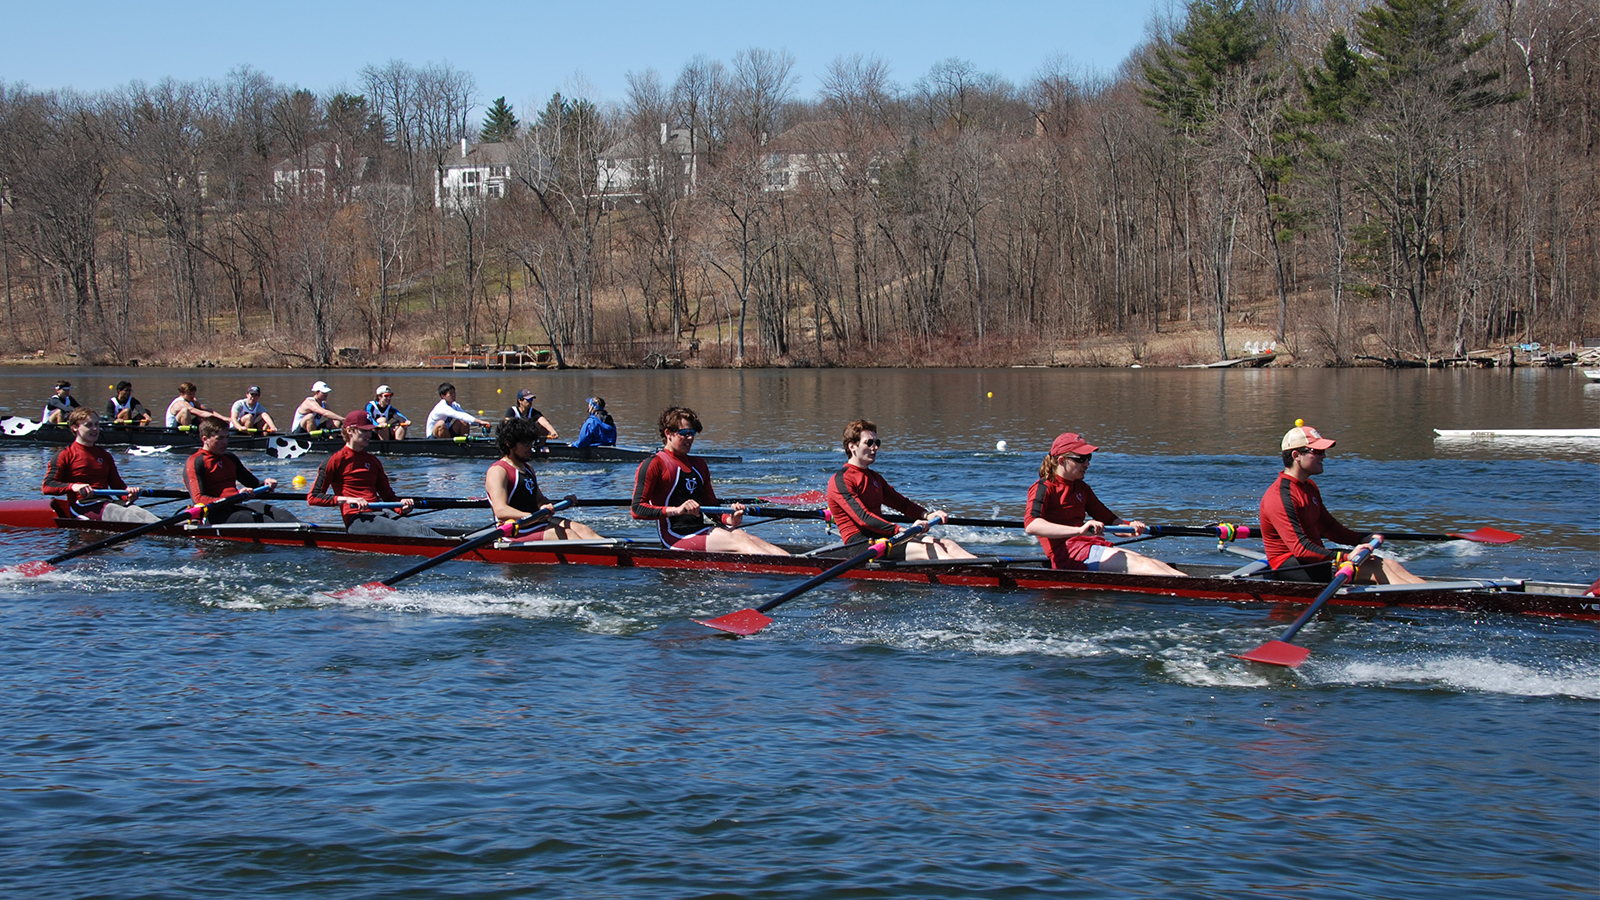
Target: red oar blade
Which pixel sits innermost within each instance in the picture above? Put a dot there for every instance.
(1277, 653)
(30, 569)
(1488, 535)
(745, 621)
(806, 499)
(370, 589)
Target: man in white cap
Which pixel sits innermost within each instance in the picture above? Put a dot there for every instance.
(1294, 521)
(311, 415)
(388, 423)
(248, 414)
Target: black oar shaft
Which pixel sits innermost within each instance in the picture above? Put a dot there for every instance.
(489, 536)
(193, 512)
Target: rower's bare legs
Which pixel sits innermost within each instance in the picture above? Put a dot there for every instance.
(1380, 570)
(737, 540)
(1128, 562)
(451, 428)
(568, 530)
(397, 432)
(936, 548)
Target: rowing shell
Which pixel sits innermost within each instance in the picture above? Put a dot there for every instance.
(1557, 433)
(19, 432)
(1202, 582)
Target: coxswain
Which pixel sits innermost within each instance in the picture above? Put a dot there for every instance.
(448, 420)
(514, 489)
(186, 412)
(523, 409)
(60, 405)
(82, 468)
(599, 430)
(311, 416)
(1070, 521)
(212, 473)
(391, 423)
(125, 409)
(352, 479)
(248, 414)
(671, 486)
(857, 495)
(1294, 521)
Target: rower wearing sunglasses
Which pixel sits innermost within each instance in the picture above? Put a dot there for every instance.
(1294, 521)
(857, 495)
(1070, 521)
(671, 486)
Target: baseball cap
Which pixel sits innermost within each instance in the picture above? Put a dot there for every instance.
(384, 389)
(358, 419)
(253, 389)
(63, 384)
(321, 387)
(525, 394)
(1071, 442)
(1305, 436)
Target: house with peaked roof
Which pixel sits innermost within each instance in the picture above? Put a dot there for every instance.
(628, 167)
(310, 174)
(481, 171)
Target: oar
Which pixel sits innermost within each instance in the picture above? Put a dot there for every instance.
(163, 493)
(36, 568)
(1484, 535)
(770, 512)
(750, 621)
(1282, 653)
(17, 426)
(793, 500)
(473, 542)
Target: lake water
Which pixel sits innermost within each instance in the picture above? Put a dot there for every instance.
(184, 721)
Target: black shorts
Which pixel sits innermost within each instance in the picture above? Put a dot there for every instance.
(1294, 570)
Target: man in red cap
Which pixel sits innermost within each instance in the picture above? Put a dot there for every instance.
(1294, 521)
(1070, 521)
(352, 479)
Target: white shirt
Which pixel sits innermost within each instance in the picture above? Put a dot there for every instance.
(447, 410)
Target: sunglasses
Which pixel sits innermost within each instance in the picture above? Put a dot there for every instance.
(1312, 452)
(1076, 458)
(687, 432)
(872, 442)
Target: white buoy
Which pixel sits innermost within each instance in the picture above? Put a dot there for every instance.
(1000, 445)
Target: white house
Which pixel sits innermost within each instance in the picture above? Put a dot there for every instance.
(308, 175)
(627, 167)
(482, 170)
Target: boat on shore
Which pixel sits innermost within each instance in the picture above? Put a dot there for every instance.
(20, 432)
(1201, 582)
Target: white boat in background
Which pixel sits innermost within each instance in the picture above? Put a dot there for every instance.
(1490, 433)
(1592, 374)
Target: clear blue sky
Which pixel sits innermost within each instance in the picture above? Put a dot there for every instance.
(527, 50)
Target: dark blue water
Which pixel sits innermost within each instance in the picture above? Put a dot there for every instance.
(183, 721)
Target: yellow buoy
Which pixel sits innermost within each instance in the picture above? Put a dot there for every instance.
(991, 395)
(498, 391)
(299, 481)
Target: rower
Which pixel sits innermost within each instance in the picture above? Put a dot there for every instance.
(671, 486)
(856, 496)
(248, 414)
(523, 409)
(185, 411)
(514, 489)
(82, 468)
(1070, 521)
(59, 407)
(391, 423)
(212, 473)
(1294, 521)
(311, 416)
(352, 479)
(125, 409)
(448, 420)
(599, 430)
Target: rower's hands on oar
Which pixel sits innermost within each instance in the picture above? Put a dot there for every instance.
(937, 517)
(1092, 526)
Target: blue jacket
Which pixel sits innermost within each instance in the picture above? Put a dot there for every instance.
(596, 432)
